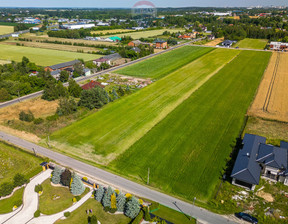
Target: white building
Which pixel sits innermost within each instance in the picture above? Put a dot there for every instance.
(78, 26)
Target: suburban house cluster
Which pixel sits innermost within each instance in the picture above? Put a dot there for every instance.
(257, 159)
(278, 46)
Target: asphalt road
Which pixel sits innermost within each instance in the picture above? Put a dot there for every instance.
(202, 215)
(32, 95)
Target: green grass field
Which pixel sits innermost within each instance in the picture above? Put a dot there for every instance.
(6, 205)
(6, 29)
(14, 160)
(252, 43)
(161, 65)
(42, 57)
(104, 135)
(186, 151)
(79, 216)
(48, 206)
(146, 34)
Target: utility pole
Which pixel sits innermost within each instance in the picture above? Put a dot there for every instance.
(18, 95)
(148, 176)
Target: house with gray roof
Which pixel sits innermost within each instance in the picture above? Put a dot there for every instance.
(257, 159)
(62, 66)
(227, 43)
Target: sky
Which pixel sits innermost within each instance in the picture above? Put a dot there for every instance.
(130, 3)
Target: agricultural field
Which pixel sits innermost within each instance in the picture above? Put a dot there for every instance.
(42, 57)
(6, 29)
(60, 47)
(271, 99)
(106, 32)
(147, 34)
(161, 65)
(202, 132)
(102, 136)
(14, 160)
(252, 43)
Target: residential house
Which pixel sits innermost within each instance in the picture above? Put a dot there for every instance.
(278, 46)
(62, 66)
(257, 159)
(101, 60)
(136, 50)
(227, 43)
(56, 74)
(87, 72)
(108, 59)
(210, 37)
(161, 44)
(136, 43)
(92, 84)
(184, 37)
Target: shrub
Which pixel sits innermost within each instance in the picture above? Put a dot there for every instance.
(26, 116)
(18, 203)
(92, 219)
(67, 214)
(78, 198)
(113, 201)
(56, 175)
(66, 178)
(99, 193)
(77, 186)
(6, 188)
(147, 216)
(85, 178)
(138, 218)
(38, 188)
(19, 180)
(74, 200)
(154, 206)
(37, 213)
(38, 120)
(132, 208)
(52, 117)
(112, 210)
(128, 196)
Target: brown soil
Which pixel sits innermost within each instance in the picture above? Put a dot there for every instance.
(267, 197)
(215, 42)
(271, 99)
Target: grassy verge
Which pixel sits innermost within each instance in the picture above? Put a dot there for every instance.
(48, 204)
(159, 66)
(14, 160)
(252, 43)
(79, 216)
(6, 205)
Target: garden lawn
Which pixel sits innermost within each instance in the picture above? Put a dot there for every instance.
(252, 43)
(40, 56)
(187, 151)
(107, 133)
(6, 29)
(79, 216)
(14, 160)
(48, 206)
(146, 34)
(161, 65)
(6, 205)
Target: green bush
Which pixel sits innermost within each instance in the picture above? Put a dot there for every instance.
(78, 198)
(154, 206)
(28, 117)
(37, 213)
(92, 219)
(52, 117)
(112, 210)
(19, 180)
(38, 188)
(38, 120)
(6, 188)
(138, 218)
(67, 214)
(18, 202)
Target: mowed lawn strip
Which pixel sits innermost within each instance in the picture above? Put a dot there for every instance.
(161, 65)
(14, 160)
(6, 205)
(40, 56)
(186, 151)
(252, 43)
(103, 135)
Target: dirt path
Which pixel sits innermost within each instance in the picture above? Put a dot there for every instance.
(271, 99)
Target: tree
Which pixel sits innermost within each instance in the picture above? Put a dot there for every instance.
(26, 116)
(56, 175)
(64, 76)
(77, 187)
(92, 219)
(121, 200)
(114, 95)
(93, 98)
(120, 91)
(132, 208)
(106, 200)
(4, 95)
(66, 178)
(74, 89)
(19, 180)
(113, 201)
(6, 188)
(147, 216)
(66, 106)
(99, 193)
(78, 68)
(54, 91)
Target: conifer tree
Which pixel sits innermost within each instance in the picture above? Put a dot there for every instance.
(99, 193)
(121, 200)
(56, 175)
(132, 208)
(77, 186)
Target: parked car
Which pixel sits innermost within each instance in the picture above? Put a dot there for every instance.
(246, 217)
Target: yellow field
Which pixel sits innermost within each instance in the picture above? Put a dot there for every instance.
(106, 32)
(6, 29)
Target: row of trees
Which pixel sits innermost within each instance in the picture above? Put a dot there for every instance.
(6, 188)
(68, 179)
(113, 201)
